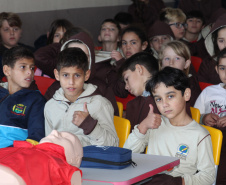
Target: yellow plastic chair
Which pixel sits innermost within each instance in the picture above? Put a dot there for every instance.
(122, 127)
(195, 114)
(120, 108)
(216, 137)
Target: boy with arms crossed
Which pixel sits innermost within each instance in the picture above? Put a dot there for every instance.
(175, 133)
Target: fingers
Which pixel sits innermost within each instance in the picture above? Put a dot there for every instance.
(85, 107)
(151, 109)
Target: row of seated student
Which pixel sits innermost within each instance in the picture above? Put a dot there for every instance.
(142, 45)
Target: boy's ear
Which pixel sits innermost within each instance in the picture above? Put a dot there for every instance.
(56, 74)
(216, 68)
(87, 75)
(187, 64)
(99, 38)
(6, 70)
(139, 68)
(144, 45)
(187, 94)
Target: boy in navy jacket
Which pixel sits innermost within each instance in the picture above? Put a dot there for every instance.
(22, 110)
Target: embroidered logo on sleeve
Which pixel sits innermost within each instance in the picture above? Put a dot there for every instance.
(182, 151)
(19, 109)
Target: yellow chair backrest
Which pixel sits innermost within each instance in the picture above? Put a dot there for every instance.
(216, 137)
(195, 114)
(122, 127)
(120, 108)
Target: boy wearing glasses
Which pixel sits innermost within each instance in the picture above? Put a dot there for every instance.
(175, 18)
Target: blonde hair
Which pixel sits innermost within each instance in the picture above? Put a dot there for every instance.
(179, 48)
(172, 15)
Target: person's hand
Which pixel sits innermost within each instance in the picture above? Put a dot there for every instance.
(116, 55)
(221, 122)
(152, 121)
(210, 119)
(80, 116)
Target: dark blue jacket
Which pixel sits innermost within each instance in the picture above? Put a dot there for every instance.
(21, 116)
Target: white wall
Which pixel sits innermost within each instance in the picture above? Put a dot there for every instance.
(22, 6)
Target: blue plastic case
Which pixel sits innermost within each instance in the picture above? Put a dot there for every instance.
(107, 157)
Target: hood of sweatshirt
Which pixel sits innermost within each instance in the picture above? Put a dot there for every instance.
(4, 91)
(220, 22)
(88, 42)
(89, 90)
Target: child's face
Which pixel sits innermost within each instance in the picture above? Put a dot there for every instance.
(58, 35)
(109, 33)
(221, 38)
(131, 44)
(21, 75)
(72, 80)
(178, 29)
(170, 58)
(170, 101)
(135, 82)
(10, 35)
(157, 41)
(194, 25)
(221, 69)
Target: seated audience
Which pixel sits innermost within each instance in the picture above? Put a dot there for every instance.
(193, 37)
(10, 33)
(176, 54)
(136, 71)
(22, 110)
(170, 134)
(82, 111)
(211, 103)
(214, 42)
(159, 33)
(175, 18)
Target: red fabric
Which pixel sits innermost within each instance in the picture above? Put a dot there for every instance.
(41, 164)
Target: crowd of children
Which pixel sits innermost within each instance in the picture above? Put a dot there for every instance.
(145, 52)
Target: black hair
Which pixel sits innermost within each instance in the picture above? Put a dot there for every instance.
(141, 33)
(221, 55)
(63, 23)
(124, 18)
(196, 14)
(73, 31)
(142, 58)
(72, 57)
(112, 21)
(11, 56)
(170, 77)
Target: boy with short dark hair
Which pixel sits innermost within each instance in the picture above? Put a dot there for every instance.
(193, 38)
(78, 107)
(175, 133)
(136, 71)
(124, 19)
(22, 110)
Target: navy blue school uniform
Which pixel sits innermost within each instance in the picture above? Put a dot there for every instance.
(22, 116)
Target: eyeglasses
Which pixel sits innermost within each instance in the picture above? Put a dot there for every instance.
(179, 25)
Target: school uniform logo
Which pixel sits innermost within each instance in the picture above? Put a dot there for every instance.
(19, 109)
(182, 151)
